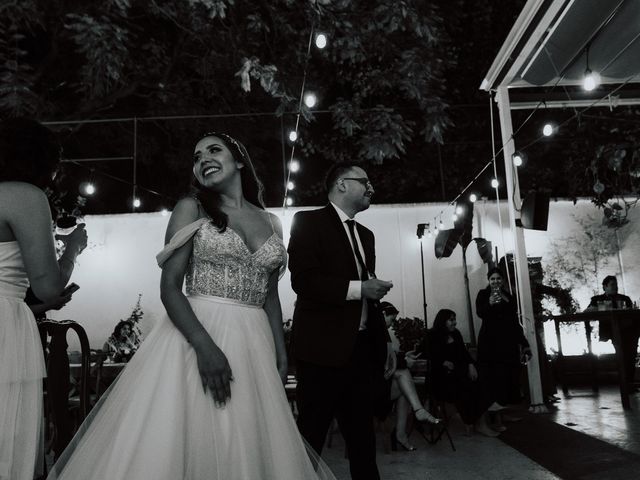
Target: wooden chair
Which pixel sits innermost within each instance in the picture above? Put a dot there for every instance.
(62, 413)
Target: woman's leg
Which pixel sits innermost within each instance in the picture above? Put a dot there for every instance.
(408, 389)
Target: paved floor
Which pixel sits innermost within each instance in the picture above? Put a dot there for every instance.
(479, 457)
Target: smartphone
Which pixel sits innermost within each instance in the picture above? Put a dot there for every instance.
(69, 289)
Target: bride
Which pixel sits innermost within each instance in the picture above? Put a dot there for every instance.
(203, 397)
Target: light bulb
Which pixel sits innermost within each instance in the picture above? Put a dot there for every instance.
(495, 183)
(290, 186)
(294, 166)
(454, 217)
(547, 130)
(293, 135)
(136, 203)
(310, 100)
(517, 160)
(321, 40)
(459, 210)
(473, 197)
(590, 80)
(164, 212)
(289, 201)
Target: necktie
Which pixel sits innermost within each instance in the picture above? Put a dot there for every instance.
(363, 268)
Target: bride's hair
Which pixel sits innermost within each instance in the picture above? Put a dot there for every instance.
(252, 188)
(29, 152)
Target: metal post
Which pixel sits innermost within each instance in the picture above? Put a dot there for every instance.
(520, 252)
(135, 163)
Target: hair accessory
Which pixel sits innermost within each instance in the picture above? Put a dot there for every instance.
(228, 138)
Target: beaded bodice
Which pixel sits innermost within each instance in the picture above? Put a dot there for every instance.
(223, 266)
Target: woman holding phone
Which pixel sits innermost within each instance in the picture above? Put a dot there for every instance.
(502, 346)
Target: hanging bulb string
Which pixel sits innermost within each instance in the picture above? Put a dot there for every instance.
(94, 170)
(298, 114)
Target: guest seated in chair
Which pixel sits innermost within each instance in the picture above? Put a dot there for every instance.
(454, 377)
(402, 389)
(629, 331)
(122, 343)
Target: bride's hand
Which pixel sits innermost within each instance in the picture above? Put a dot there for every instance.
(215, 371)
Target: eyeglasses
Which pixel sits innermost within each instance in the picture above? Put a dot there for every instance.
(364, 181)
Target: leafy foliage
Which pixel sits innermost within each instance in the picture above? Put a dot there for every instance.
(581, 258)
(381, 80)
(409, 332)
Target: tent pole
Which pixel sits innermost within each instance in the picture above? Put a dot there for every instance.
(520, 253)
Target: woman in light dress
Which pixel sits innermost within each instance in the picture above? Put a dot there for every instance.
(29, 156)
(203, 397)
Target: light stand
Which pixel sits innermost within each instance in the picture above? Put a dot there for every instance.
(420, 234)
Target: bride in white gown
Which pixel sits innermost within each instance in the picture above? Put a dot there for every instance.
(29, 156)
(203, 397)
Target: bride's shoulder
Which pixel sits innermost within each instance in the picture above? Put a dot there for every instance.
(276, 224)
(186, 212)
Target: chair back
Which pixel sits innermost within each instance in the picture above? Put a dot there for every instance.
(57, 383)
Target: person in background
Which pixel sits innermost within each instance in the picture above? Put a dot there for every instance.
(502, 346)
(122, 343)
(629, 331)
(454, 376)
(402, 389)
(29, 157)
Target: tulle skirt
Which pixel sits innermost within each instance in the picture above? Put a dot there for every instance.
(156, 422)
(21, 372)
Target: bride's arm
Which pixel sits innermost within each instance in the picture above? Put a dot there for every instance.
(214, 368)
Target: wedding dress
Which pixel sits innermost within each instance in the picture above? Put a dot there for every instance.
(21, 372)
(156, 422)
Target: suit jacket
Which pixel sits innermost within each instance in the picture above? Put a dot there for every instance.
(322, 263)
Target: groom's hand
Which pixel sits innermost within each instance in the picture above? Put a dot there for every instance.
(375, 289)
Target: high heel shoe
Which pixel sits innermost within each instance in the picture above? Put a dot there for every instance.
(423, 416)
(395, 441)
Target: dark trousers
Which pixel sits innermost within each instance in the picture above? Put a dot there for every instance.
(629, 347)
(345, 393)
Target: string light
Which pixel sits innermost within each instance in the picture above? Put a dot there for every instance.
(321, 40)
(454, 217)
(294, 166)
(293, 136)
(473, 198)
(290, 185)
(136, 203)
(164, 212)
(518, 158)
(459, 210)
(289, 201)
(310, 99)
(590, 81)
(87, 188)
(495, 183)
(548, 129)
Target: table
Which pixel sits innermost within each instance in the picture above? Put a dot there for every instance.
(616, 317)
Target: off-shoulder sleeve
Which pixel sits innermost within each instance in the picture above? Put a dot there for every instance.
(179, 239)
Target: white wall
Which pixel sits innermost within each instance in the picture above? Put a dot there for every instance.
(119, 262)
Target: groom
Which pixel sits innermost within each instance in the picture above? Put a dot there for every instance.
(339, 335)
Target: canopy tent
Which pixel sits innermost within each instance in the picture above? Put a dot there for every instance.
(553, 43)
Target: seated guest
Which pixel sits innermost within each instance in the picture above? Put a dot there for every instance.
(122, 343)
(454, 377)
(629, 331)
(402, 388)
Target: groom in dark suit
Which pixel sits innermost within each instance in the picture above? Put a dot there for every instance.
(339, 335)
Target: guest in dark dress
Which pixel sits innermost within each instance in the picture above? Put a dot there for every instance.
(454, 377)
(502, 346)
